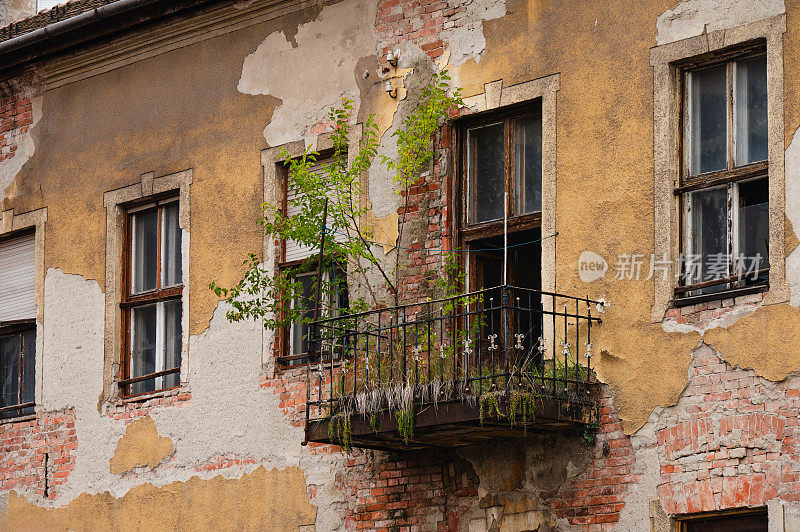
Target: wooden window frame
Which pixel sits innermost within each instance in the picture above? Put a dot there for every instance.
(284, 358)
(470, 233)
(516, 222)
(19, 328)
(688, 293)
(682, 520)
(131, 301)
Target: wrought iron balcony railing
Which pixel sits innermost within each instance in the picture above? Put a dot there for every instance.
(498, 362)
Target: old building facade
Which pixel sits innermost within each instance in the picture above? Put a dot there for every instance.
(638, 157)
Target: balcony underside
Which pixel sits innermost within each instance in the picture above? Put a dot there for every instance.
(458, 423)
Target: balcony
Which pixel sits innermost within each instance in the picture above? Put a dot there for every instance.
(495, 364)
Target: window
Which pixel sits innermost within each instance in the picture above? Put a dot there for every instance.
(295, 261)
(501, 158)
(502, 169)
(17, 326)
(724, 182)
(152, 306)
(735, 522)
(333, 296)
(17, 369)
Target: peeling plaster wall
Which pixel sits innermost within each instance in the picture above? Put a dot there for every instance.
(465, 40)
(243, 424)
(16, 10)
(272, 82)
(793, 213)
(694, 17)
(140, 446)
(24, 146)
(313, 71)
(247, 503)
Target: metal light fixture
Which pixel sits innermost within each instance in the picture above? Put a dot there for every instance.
(391, 58)
(390, 90)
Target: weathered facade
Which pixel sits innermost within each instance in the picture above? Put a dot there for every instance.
(110, 109)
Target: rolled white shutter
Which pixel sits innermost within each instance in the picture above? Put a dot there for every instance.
(17, 278)
(295, 251)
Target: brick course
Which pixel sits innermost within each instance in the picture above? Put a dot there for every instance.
(129, 410)
(16, 116)
(38, 454)
(731, 442)
(700, 315)
(597, 494)
(420, 490)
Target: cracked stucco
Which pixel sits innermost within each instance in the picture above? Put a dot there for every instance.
(315, 74)
(9, 168)
(694, 17)
(793, 213)
(466, 39)
(140, 446)
(229, 414)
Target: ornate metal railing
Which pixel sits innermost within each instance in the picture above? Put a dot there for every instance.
(499, 341)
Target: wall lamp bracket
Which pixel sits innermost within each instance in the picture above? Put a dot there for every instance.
(391, 57)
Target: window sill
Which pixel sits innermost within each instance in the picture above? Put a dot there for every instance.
(725, 294)
(18, 419)
(158, 394)
(281, 362)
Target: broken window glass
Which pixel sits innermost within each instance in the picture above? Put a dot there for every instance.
(486, 172)
(528, 164)
(709, 219)
(751, 110)
(754, 224)
(708, 120)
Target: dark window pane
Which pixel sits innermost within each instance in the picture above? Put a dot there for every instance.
(143, 358)
(754, 224)
(733, 523)
(29, 368)
(486, 172)
(171, 247)
(145, 251)
(528, 164)
(333, 298)
(9, 372)
(304, 303)
(172, 341)
(709, 218)
(708, 120)
(751, 110)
